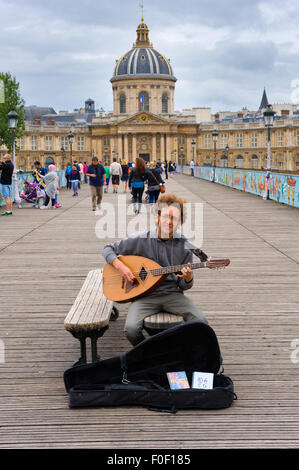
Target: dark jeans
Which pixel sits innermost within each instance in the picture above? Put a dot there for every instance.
(153, 196)
(137, 195)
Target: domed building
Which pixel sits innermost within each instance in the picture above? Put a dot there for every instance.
(143, 79)
(143, 122)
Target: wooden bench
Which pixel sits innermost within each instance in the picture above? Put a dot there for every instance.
(161, 321)
(90, 314)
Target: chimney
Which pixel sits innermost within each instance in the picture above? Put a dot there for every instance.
(36, 119)
(51, 121)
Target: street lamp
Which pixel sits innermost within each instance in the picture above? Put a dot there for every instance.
(71, 141)
(13, 118)
(215, 138)
(226, 154)
(181, 157)
(269, 117)
(193, 143)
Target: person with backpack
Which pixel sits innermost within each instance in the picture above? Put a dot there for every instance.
(154, 182)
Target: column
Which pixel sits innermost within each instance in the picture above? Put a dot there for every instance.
(162, 147)
(126, 148)
(120, 147)
(168, 149)
(154, 147)
(134, 147)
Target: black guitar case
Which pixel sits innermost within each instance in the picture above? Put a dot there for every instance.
(138, 377)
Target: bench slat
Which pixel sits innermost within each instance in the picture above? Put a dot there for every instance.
(91, 308)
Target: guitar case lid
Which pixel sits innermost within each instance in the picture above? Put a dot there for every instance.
(190, 346)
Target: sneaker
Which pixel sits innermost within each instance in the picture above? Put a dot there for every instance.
(43, 208)
(6, 213)
(94, 208)
(57, 205)
(52, 207)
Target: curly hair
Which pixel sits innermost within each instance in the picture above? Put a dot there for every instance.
(172, 200)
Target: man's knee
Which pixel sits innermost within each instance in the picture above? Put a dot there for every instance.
(134, 334)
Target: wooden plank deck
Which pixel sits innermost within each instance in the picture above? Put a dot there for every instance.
(252, 306)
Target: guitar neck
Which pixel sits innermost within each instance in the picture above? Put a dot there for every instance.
(176, 269)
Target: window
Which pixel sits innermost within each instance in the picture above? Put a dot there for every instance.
(297, 137)
(223, 140)
(279, 139)
(164, 103)
(254, 162)
(239, 140)
(64, 143)
(33, 142)
(240, 161)
(80, 143)
(143, 101)
(207, 141)
(122, 103)
(254, 139)
(181, 139)
(49, 145)
(224, 161)
(21, 143)
(106, 141)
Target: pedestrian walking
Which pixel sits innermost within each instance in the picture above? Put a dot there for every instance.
(154, 182)
(192, 167)
(75, 179)
(107, 171)
(97, 178)
(116, 174)
(125, 175)
(67, 176)
(7, 168)
(138, 176)
(85, 171)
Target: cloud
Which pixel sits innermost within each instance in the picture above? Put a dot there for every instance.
(223, 53)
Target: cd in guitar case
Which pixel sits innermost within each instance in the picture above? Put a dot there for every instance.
(141, 375)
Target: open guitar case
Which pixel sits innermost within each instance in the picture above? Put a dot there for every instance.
(138, 377)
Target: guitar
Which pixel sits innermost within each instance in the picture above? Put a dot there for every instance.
(148, 276)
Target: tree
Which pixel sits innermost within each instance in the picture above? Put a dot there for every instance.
(12, 102)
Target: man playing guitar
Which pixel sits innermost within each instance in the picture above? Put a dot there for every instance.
(165, 246)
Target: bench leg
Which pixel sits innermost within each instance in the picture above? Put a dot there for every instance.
(94, 336)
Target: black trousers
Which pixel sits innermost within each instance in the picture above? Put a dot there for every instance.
(47, 200)
(137, 195)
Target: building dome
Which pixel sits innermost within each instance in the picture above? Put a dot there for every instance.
(142, 60)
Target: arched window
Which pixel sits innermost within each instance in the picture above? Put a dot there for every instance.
(164, 103)
(224, 161)
(143, 101)
(254, 162)
(240, 161)
(122, 103)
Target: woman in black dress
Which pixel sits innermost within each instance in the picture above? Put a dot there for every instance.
(125, 175)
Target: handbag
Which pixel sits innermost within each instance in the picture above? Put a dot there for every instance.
(162, 186)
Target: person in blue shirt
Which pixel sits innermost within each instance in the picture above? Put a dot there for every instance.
(67, 176)
(74, 179)
(97, 179)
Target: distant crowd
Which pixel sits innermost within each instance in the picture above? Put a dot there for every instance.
(44, 191)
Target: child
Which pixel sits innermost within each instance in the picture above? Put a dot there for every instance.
(75, 179)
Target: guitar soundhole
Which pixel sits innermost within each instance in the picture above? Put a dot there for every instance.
(143, 274)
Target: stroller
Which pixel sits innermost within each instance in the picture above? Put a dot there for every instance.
(32, 192)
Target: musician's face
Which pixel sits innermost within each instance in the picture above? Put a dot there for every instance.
(169, 220)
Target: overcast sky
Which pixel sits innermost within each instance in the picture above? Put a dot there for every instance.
(223, 52)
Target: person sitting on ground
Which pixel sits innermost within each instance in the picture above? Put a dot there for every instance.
(168, 247)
